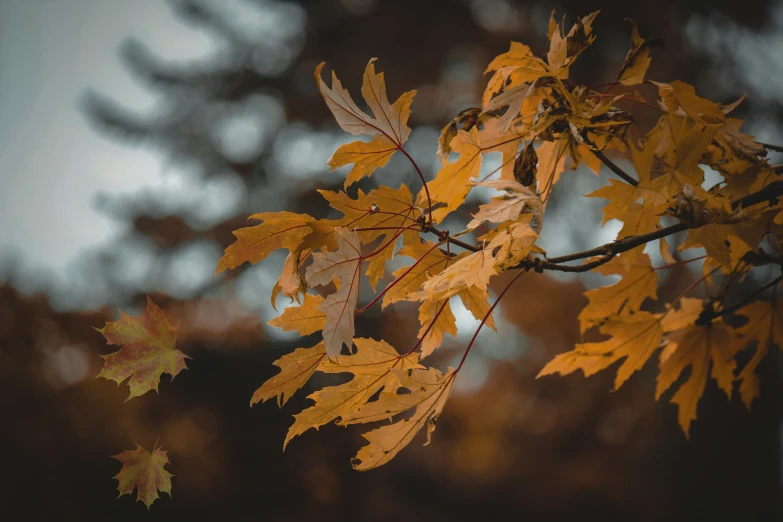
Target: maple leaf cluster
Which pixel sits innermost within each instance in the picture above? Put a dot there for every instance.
(543, 125)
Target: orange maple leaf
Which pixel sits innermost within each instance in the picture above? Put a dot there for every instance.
(145, 472)
(147, 353)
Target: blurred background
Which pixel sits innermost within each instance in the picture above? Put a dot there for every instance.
(136, 135)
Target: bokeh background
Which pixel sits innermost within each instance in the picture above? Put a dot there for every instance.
(136, 135)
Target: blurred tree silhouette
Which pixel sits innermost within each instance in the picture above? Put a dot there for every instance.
(250, 119)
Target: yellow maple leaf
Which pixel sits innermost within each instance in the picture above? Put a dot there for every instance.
(339, 307)
(509, 207)
(450, 185)
(764, 327)
(296, 368)
(681, 99)
(695, 345)
(278, 230)
(437, 320)
(379, 215)
(474, 300)
(637, 61)
(475, 269)
(633, 337)
(371, 366)
(389, 126)
(639, 282)
(429, 390)
(145, 472)
(291, 283)
(430, 260)
(148, 350)
(304, 319)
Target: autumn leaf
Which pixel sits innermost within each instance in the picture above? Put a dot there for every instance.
(632, 337)
(518, 199)
(474, 300)
(429, 390)
(637, 61)
(371, 366)
(148, 350)
(639, 282)
(465, 120)
(340, 306)
(450, 185)
(389, 126)
(540, 122)
(296, 368)
(429, 261)
(253, 244)
(304, 319)
(291, 283)
(382, 214)
(145, 472)
(513, 242)
(680, 98)
(475, 270)
(437, 320)
(764, 327)
(695, 345)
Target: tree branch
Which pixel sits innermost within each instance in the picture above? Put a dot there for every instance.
(614, 168)
(745, 300)
(776, 148)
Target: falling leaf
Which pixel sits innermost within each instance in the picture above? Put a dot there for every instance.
(148, 350)
(145, 472)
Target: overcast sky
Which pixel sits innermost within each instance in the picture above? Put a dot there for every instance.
(51, 162)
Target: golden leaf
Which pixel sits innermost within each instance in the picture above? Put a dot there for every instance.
(371, 366)
(637, 61)
(429, 390)
(765, 327)
(304, 319)
(430, 260)
(383, 213)
(389, 126)
(450, 185)
(339, 307)
(518, 199)
(278, 230)
(633, 337)
(296, 368)
(437, 320)
(639, 282)
(696, 345)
